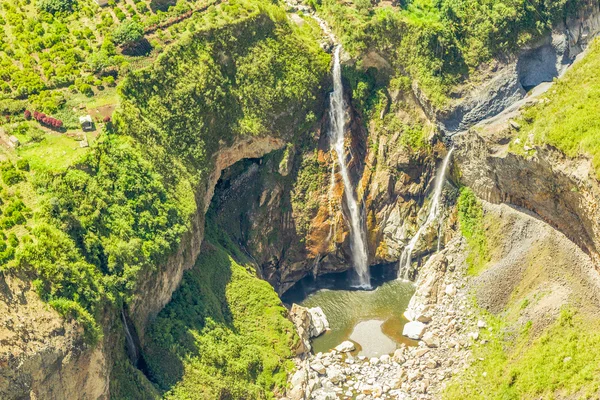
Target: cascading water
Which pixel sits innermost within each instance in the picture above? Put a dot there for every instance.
(338, 120)
(131, 347)
(434, 211)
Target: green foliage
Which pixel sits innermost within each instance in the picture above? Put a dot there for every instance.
(128, 33)
(112, 215)
(23, 164)
(247, 78)
(56, 6)
(441, 43)
(306, 198)
(10, 175)
(71, 309)
(224, 335)
(564, 121)
(561, 362)
(470, 217)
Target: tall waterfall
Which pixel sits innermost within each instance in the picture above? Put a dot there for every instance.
(336, 134)
(433, 215)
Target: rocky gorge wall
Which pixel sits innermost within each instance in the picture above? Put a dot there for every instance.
(291, 220)
(508, 80)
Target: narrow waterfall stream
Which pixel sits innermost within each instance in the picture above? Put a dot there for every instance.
(131, 347)
(338, 121)
(434, 213)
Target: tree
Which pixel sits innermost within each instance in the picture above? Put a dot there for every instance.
(128, 33)
(55, 6)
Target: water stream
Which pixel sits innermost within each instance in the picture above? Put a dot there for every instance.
(131, 347)
(434, 212)
(337, 116)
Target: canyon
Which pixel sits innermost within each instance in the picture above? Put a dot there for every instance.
(350, 193)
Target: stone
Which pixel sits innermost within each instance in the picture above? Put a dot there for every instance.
(335, 375)
(345, 347)
(474, 335)
(399, 355)
(431, 339)
(318, 321)
(385, 359)
(374, 361)
(421, 352)
(450, 290)
(424, 318)
(414, 330)
(514, 124)
(318, 367)
(301, 319)
(481, 324)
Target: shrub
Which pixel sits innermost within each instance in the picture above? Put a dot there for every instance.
(23, 164)
(55, 6)
(128, 33)
(10, 175)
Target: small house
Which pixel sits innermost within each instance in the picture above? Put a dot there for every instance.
(13, 141)
(86, 123)
(102, 3)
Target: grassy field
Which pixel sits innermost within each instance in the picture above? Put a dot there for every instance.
(566, 117)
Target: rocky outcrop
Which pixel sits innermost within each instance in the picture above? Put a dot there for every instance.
(43, 356)
(562, 191)
(310, 323)
(412, 371)
(155, 290)
(507, 82)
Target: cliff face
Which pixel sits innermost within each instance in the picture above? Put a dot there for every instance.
(562, 191)
(157, 288)
(41, 355)
(287, 210)
(506, 81)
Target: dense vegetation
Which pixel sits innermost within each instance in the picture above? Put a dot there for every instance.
(53, 44)
(107, 219)
(441, 43)
(563, 119)
(225, 334)
(471, 220)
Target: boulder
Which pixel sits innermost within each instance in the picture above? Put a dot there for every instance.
(414, 330)
(301, 318)
(431, 339)
(318, 367)
(318, 321)
(345, 347)
(450, 290)
(335, 375)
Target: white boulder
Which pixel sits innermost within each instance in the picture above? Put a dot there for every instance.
(318, 321)
(345, 347)
(414, 330)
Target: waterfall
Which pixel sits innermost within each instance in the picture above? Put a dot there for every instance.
(357, 232)
(434, 211)
(133, 354)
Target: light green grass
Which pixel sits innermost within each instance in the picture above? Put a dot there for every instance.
(471, 220)
(562, 362)
(568, 118)
(53, 154)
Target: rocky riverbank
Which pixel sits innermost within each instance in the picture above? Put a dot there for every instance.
(446, 330)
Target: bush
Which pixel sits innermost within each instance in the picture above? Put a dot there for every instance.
(55, 6)
(23, 164)
(85, 89)
(10, 175)
(128, 33)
